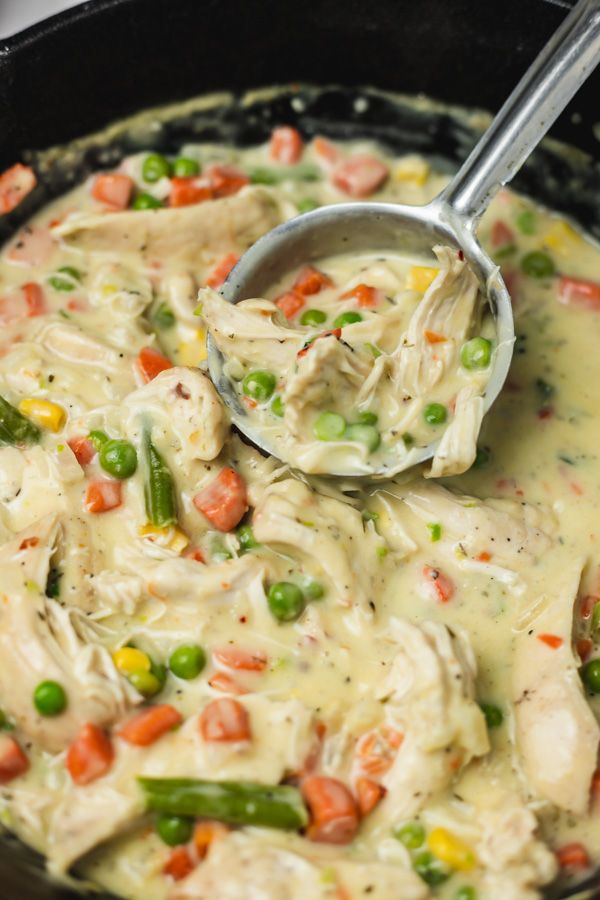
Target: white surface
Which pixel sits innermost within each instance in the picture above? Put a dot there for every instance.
(18, 14)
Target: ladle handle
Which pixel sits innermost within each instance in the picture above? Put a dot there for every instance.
(566, 61)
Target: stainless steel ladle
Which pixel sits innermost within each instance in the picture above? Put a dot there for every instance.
(451, 218)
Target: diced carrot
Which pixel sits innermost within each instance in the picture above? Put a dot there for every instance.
(551, 640)
(335, 332)
(377, 750)
(225, 180)
(13, 761)
(34, 298)
(29, 542)
(224, 501)
(114, 190)
(15, 184)
(286, 145)
(194, 553)
(587, 605)
(432, 337)
(290, 303)
(222, 270)
(572, 856)
(224, 720)
(179, 863)
(333, 810)
(23, 302)
(579, 292)
(151, 363)
(360, 175)
(221, 681)
(368, 793)
(32, 246)
(365, 295)
(501, 234)
(442, 586)
(102, 496)
(90, 755)
(150, 724)
(484, 556)
(188, 190)
(584, 647)
(83, 449)
(310, 281)
(236, 658)
(206, 833)
(326, 152)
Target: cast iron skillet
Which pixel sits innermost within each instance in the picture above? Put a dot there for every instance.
(77, 72)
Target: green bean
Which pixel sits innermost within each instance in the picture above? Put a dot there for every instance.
(15, 428)
(159, 487)
(235, 802)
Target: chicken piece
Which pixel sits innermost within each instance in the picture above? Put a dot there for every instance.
(325, 530)
(44, 477)
(241, 864)
(516, 861)
(252, 331)
(448, 308)
(557, 732)
(184, 401)
(458, 447)
(115, 592)
(121, 289)
(430, 693)
(74, 558)
(515, 534)
(180, 290)
(40, 640)
(73, 345)
(176, 235)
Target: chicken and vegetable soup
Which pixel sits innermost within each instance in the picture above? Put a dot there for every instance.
(220, 678)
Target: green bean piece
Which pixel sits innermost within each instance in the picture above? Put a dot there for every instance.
(184, 167)
(476, 354)
(313, 317)
(15, 428)
(155, 167)
(159, 487)
(493, 715)
(364, 434)
(596, 617)
(590, 675)
(234, 802)
(53, 582)
(435, 531)
(329, 426)
(66, 279)
(146, 201)
(163, 317)
(271, 176)
(538, 264)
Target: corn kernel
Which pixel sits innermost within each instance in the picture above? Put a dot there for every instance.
(171, 537)
(193, 352)
(561, 236)
(129, 660)
(420, 278)
(412, 168)
(451, 850)
(44, 413)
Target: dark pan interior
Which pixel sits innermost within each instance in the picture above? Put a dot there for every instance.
(80, 71)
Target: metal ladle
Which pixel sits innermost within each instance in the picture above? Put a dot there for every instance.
(451, 218)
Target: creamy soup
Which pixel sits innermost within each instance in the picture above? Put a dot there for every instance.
(222, 679)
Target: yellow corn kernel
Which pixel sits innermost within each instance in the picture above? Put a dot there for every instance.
(451, 850)
(412, 168)
(171, 537)
(44, 413)
(193, 352)
(108, 289)
(420, 278)
(561, 236)
(129, 660)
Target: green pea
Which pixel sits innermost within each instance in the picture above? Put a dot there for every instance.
(347, 318)
(476, 353)
(313, 317)
(146, 201)
(504, 252)
(435, 414)
(259, 385)
(526, 221)
(329, 426)
(368, 418)
(278, 406)
(538, 264)
(246, 538)
(431, 870)
(159, 671)
(408, 439)
(590, 675)
(435, 531)
(187, 661)
(312, 589)
(67, 279)
(482, 457)
(286, 601)
(118, 458)
(184, 167)
(155, 167)
(174, 830)
(412, 835)
(98, 439)
(163, 317)
(219, 552)
(49, 698)
(364, 434)
(307, 204)
(145, 683)
(466, 893)
(493, 715)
